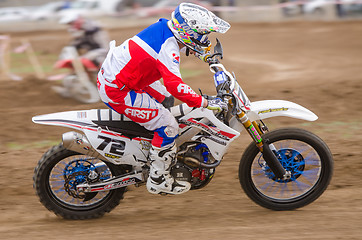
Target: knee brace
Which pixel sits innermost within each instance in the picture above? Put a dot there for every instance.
(164, 136)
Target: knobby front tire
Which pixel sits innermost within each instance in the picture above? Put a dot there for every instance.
(302, 153)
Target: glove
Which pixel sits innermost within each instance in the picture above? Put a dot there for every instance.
(216, 104)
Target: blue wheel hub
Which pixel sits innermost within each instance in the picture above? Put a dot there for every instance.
(291, 160)
(76, 172)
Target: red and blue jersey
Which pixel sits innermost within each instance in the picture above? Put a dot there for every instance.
(143, 59)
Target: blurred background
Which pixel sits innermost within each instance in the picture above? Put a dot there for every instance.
(18, 15)
(308, 52)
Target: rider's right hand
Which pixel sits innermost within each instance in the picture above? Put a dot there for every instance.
(203, 57)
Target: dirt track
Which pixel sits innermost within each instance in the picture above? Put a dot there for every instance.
(317, 65)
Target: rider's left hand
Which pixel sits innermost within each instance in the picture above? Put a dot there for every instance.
(216, 104)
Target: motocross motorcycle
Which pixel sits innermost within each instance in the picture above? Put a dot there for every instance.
(80, 83)
(87, 174)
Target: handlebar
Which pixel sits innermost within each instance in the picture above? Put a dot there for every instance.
(218, 53)
(229, 88)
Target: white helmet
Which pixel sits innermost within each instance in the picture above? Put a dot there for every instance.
(191, 24)
(69, 18)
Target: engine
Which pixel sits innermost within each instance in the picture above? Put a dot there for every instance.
(188, 167)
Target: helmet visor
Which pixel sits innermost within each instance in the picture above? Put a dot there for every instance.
(202, 40)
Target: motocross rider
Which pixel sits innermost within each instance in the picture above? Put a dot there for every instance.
(128, 83)
(88, 37)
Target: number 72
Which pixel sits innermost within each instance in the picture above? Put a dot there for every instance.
(117, 146)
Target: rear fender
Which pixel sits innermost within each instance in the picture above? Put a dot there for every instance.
(78, 120)
(68, 63)
(65, 63)
(115, 147)
(88, 64)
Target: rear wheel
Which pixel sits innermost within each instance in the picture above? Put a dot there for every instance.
(302, 153)
(59, 172)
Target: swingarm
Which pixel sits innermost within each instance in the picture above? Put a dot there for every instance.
(112, 183)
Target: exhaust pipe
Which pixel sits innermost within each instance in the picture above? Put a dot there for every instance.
(79, 143)
(192, 162)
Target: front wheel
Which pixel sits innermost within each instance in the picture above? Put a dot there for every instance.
(305, 155)
(59, 172)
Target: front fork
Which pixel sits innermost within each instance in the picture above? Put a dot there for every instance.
(264, 146)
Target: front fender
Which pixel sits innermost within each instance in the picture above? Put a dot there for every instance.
(279, 108)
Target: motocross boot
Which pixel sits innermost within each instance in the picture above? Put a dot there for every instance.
(160, 180)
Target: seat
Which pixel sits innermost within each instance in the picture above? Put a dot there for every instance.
(111, 120)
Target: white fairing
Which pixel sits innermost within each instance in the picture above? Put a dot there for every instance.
(115, 147)
(279, 108)
(220, 136)
(120, 149)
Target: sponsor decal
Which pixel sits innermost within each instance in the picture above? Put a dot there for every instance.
(176, 58)
(111, 156)
(216, 140)
(170, 132)
(255, 134)
(211, 130)
(182, 125)
(124, 182)
(145, 145)
(189, 31)
(219, 78)
(81, 114)
(184, 88)
(273, 110)
(144, 114)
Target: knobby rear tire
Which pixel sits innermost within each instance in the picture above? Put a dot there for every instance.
(52, 203)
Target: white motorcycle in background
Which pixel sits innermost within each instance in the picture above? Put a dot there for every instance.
(80, 83)
(87, 174)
